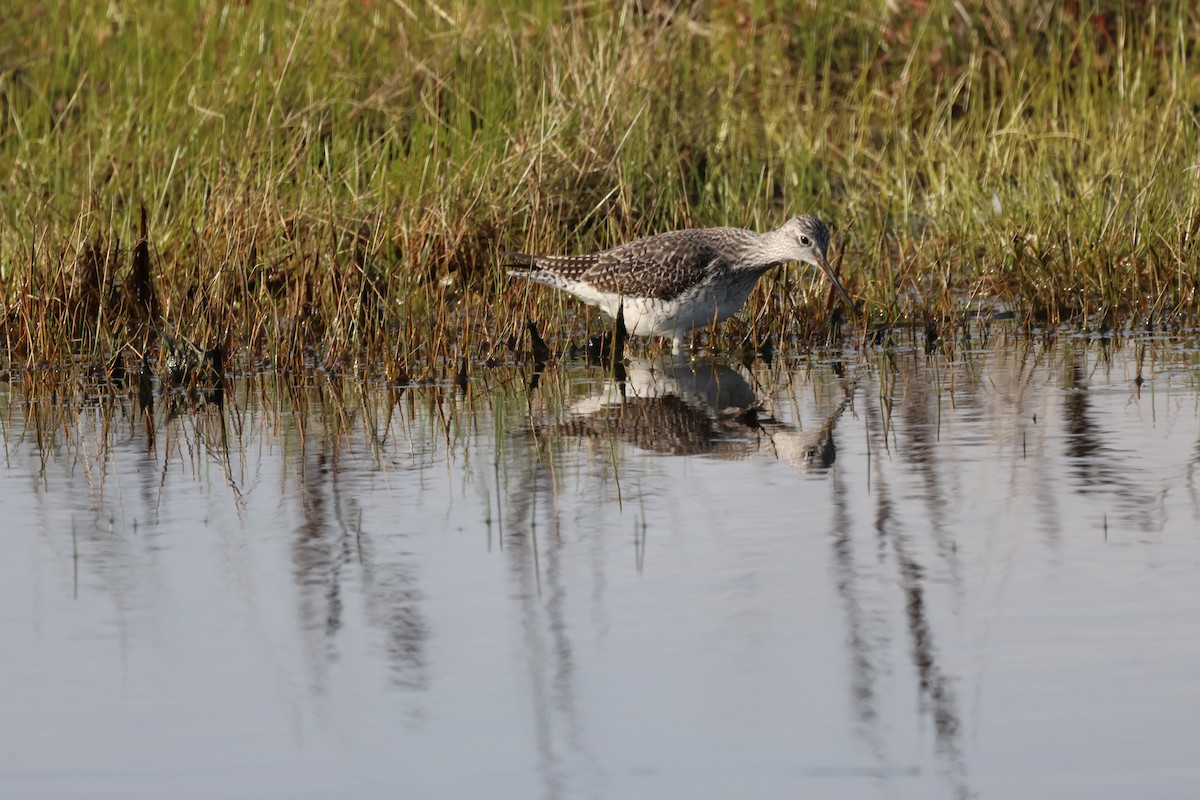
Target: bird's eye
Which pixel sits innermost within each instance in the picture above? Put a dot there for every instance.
(804, 240)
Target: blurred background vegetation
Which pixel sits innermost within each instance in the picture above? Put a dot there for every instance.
(323, 179)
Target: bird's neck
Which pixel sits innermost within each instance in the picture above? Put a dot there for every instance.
(771, 248)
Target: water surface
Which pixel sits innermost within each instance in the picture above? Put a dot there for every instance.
(853, 574)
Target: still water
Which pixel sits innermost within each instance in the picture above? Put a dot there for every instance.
(974, 573)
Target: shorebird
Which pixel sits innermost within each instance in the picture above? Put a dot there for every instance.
(673, 282)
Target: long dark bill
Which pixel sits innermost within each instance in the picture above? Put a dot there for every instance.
(828, 270)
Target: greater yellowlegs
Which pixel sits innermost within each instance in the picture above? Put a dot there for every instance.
(673, 282)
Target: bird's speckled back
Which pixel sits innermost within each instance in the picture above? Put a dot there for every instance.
(659, 267)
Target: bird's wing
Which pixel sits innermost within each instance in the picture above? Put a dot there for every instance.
(569, 267)
(661, 267)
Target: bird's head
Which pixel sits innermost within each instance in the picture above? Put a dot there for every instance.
(811, 241)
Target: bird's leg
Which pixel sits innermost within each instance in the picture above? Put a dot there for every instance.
(617, 352)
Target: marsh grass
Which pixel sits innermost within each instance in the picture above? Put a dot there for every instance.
(331, 184)
(317, 423)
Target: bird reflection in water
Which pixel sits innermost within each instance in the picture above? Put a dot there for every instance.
(682, 407)
(672, 406)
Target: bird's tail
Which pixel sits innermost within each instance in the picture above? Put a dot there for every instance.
(512, 259)
(521, 265)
